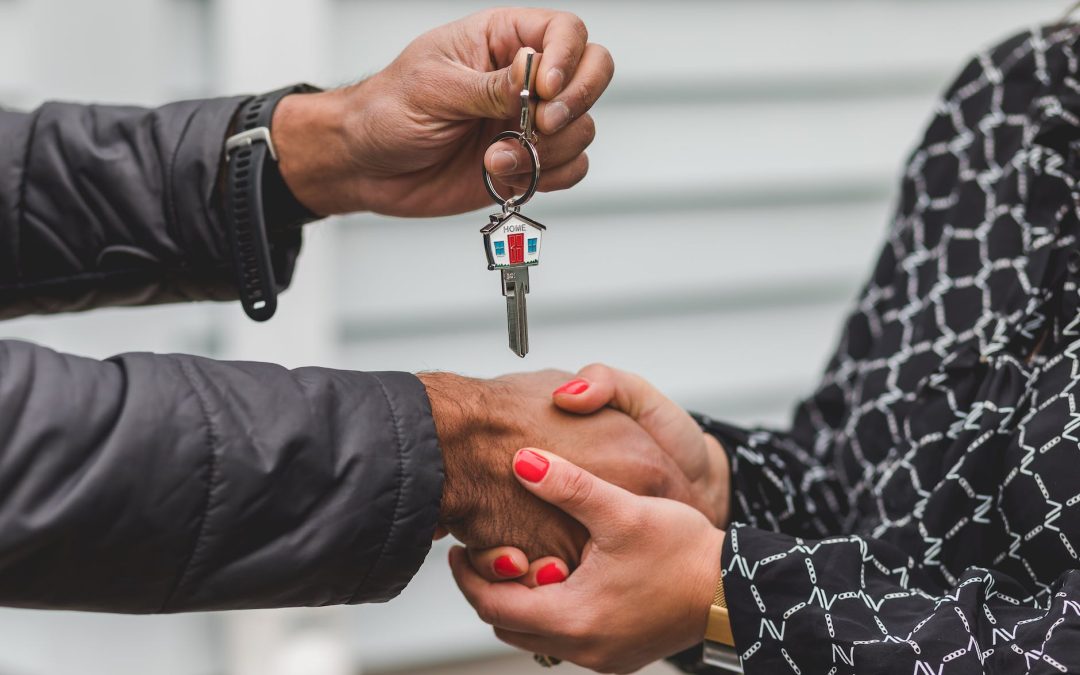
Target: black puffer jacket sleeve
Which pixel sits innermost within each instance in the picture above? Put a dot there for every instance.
(150, 483)
(107, 205)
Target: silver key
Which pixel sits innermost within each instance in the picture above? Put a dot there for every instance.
(511, 240)
(512, 243)
(515, 284)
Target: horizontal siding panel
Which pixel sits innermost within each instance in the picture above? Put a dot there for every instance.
(434, 272)
(697, 358)
(103, 333)
(51, 642)
(736, 41)
(650, 149)
(15, 69)
(188, 47)
(383, 636)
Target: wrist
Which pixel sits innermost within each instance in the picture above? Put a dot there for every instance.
(467, 433)
(720, 478)
(709, 582)
(309, 133)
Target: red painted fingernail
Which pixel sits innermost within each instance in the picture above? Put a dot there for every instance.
(573, 388)
(505, 567)
(549, 574)
(531, 466)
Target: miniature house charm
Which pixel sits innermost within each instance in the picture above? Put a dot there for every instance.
(512, 240)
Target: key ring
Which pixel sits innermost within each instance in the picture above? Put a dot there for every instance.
(527, 138)
(515, 202)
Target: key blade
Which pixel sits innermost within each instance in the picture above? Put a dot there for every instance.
(518, 341)
(515, 288)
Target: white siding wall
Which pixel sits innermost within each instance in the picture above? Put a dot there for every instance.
(746, 154)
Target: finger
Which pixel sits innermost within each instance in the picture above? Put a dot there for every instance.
(564, 44)
(595, 503)
(558, 178)
(511, 606)
(592, 389)
(509, 158)
(561, 36)
(598, 385)
(667, 422)
(546, 571)
(593, 75)
(499, 564)
(492, 94)
(440, 533)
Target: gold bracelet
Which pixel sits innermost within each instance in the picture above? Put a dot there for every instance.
(718, 628)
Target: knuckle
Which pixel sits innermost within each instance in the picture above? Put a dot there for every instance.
(581, 168)
(491, 93)
(577, 489)
(502, 634)
(586, 94)
(630, 519)
(607, 61)
(596, 660)
(578, 27)
(578, 627)
(518, 181)
(598, 370)
(588, 130)
(588, 661)
(659, 484)
(488, 612)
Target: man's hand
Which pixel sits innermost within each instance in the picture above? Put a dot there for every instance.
(409, 140)
(482, 423)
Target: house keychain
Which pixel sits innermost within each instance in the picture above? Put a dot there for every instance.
(512, 241)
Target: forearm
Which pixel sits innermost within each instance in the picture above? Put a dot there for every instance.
(103, 205)
(171, 483)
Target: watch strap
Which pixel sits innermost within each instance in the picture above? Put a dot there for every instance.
(254, 187)
(718, 628)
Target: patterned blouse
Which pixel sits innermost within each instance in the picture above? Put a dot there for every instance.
(922, 513)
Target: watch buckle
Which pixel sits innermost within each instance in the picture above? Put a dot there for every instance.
(245, 139)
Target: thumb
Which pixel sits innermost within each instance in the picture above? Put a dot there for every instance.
(593, 502)
(496, 94)
(669, 424)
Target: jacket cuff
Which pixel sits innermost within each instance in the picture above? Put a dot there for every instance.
(196, 186)
(119, 206)
(754, 560)
(729, 438)
(419, 489)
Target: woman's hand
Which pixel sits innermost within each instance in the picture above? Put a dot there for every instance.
(409, 140)
(643, 589)
(699, 455)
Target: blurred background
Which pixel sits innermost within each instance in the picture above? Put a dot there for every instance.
(747, 149)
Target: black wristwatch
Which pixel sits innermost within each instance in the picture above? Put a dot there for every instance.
(258, 203)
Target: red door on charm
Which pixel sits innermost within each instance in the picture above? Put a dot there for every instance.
(516, 243)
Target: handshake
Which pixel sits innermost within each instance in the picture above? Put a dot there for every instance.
(582, 485)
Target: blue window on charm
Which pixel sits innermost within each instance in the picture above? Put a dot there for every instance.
(500, 248)
(532, 245)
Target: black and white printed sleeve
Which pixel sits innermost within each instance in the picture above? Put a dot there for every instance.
(922, 513)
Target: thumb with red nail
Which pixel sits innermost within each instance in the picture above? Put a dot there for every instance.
(698, 454)
(643, 588)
